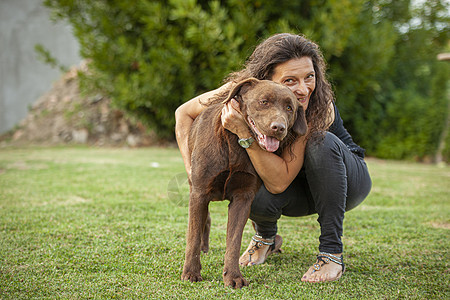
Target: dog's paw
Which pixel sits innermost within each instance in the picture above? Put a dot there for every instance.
(205, 248)
(191, 276)
(237, 281)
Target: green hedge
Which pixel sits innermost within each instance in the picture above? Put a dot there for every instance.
(151, 56)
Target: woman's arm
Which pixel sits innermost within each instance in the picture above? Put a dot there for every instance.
(185, 116)
(277, 172)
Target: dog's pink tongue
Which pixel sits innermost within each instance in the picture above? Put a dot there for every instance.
(271, 143)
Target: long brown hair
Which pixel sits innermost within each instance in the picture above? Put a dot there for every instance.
(280, 48)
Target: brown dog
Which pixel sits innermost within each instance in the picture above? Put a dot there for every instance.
(221, 169)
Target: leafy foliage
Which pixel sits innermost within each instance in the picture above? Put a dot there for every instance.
(152, 55)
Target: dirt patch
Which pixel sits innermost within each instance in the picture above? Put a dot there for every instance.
(63, 116)
(440, 225)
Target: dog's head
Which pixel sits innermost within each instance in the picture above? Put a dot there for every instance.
(271, 111)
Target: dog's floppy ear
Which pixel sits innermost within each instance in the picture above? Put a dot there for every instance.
(237, 89)
(300, 127)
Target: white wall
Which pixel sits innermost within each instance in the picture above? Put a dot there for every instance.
(23, 78)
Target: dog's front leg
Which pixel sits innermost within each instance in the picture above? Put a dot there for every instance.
(238, 212)
(198, 213)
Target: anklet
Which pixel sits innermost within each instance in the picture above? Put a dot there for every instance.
(333, 258)
(259, 239)
(326, 258)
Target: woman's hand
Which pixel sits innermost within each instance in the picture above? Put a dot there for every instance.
(233, 120)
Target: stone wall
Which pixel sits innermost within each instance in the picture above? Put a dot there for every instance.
(23, 78)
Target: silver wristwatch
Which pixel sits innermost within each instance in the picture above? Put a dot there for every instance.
(245, 143)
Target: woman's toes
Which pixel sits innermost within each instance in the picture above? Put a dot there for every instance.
(313, 278)
(306, 277)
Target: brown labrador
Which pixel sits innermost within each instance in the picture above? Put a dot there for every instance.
(221, 168)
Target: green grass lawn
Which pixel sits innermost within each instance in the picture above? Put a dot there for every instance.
(79, 223)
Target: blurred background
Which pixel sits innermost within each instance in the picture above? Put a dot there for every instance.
(137, 61)
(23, 78)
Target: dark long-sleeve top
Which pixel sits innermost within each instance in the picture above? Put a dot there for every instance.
(338, 129)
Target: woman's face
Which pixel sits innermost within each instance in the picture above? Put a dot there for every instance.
(299, 76)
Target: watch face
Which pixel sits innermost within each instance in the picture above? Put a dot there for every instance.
(245, 143)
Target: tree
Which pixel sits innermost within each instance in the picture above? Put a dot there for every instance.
(152, 55)
(415, 101)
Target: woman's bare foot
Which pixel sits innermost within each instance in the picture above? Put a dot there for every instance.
(259, 249)
(325, 269)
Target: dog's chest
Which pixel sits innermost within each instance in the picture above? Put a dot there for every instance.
(238, 159)
(239, 176)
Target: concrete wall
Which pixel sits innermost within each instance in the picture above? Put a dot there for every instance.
(23, 78)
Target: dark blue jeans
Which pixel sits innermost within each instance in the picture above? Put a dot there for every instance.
(332, 181)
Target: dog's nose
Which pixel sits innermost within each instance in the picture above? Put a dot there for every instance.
(277, 127)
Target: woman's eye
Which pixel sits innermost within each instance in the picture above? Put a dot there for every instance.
(289, 81)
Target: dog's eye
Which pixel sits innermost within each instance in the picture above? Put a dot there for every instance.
(289, 108)
(263, 102)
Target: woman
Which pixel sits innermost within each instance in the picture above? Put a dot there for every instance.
(327, 175)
